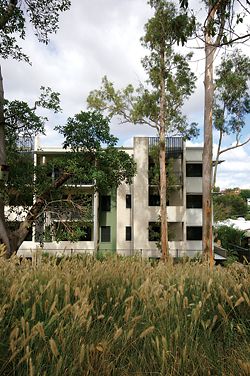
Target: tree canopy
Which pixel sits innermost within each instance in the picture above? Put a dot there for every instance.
(229, 206)
(91, 157)
(231, 101)
(43, 15)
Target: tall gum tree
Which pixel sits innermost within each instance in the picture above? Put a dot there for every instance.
(158, 103)
(219, 28)
(231, 101)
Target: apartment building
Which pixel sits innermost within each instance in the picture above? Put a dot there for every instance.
(126, 221)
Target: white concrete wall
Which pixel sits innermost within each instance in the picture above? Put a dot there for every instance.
(61, 248)
(194, 217)
(124, 218)
(194, 246)
(193, 185)
(141, 213)
(194, 154)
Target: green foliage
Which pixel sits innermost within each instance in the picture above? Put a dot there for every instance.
(22, 121)
(245, 194)
(123, 317)
(141, 105)
(229, 236)
(167, 25)
(232, 100)
(154, 170)
(88, 161)
(65, 231)
(43, 16)
(228, 206)
(21, 180)
(227, 15)
(87, 131)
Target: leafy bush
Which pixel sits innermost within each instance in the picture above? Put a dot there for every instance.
(229, 235)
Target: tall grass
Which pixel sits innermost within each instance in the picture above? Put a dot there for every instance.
(123, 317)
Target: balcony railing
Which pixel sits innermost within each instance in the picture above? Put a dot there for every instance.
(174, 146)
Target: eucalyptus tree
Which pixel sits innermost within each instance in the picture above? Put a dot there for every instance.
(158, 103)
(231, 101)
(220, 27)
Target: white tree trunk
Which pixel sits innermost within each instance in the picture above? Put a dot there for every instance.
(207, 151)
(162, 160)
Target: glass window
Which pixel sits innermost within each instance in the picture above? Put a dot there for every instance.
(194, 201)
(154, 230)
(128, 233)
(88, 234)
(128, 201)
(194, 232)
(194, 170)
(153, 196)
(105, 234)
(105, 203)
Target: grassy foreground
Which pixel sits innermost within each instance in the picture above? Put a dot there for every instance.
(123, 317)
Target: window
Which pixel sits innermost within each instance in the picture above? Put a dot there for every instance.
(105, 203)
(128, 233)
(153, 196)
(154, 230)
(88, 234)
(105, 234)
(194, 232)
(194, 201)
(128, 201)
(194, 170)
(175, 231)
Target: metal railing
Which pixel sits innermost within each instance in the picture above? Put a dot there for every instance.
(174, 145)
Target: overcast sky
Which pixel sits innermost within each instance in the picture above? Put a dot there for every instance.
(102, 37)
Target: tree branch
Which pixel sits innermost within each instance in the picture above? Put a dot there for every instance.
(235, 146)
(36, 209)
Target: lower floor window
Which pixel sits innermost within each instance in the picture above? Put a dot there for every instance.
(154, 231)
(105, 234)
(128, 233)
(194, 232)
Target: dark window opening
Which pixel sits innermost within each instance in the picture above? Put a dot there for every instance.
(105, 234)
(154, 231)
(128, 233)
(194, 201)
(128, 201)
(194, 232)
(88, 234)
(153, 196)
(105, 203)
(194, 170)
(175, 231)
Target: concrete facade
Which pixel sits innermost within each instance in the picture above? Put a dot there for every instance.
(125, 227)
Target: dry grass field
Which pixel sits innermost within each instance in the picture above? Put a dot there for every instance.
(84, 316)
